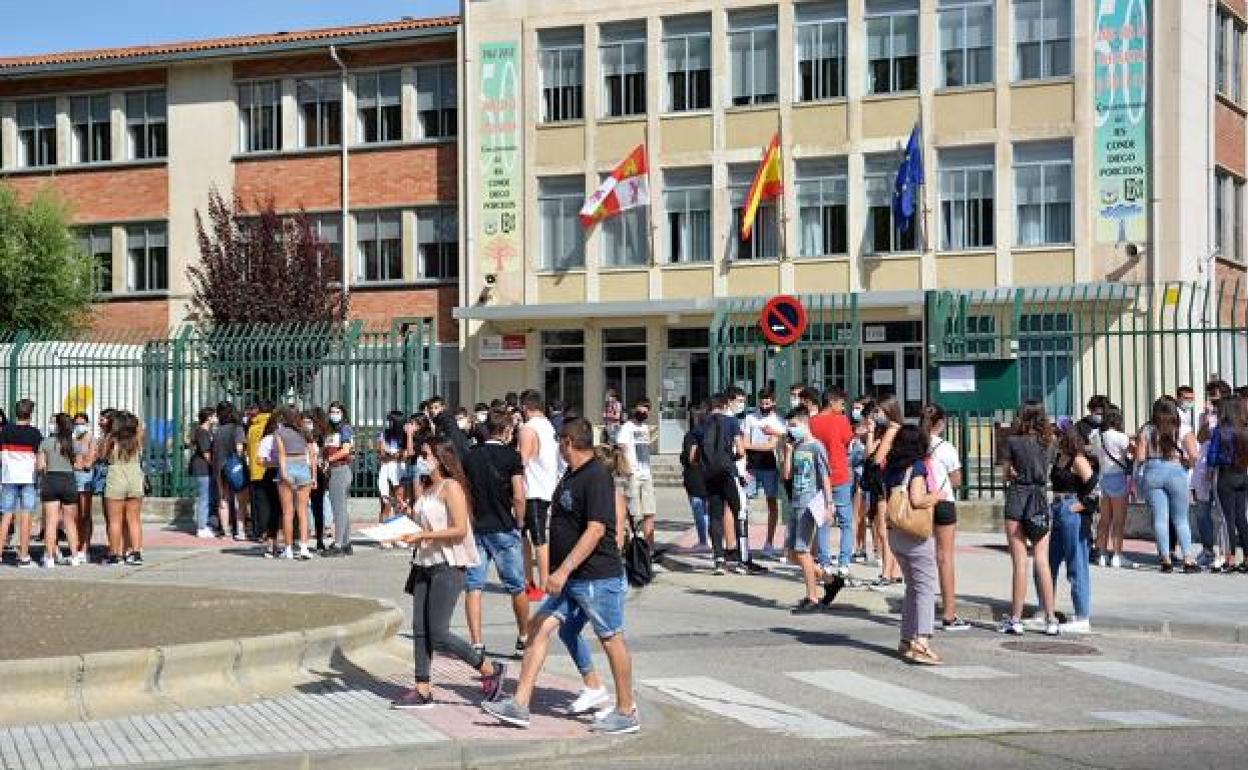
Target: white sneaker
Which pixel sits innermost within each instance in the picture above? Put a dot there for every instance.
(1051, 628)
(588, 700)
(1076, 626)
(304, 553)
(77, 560)
(1036, 622)
(204, 533)
(1115, 561)
(288, 553)
(49, 562)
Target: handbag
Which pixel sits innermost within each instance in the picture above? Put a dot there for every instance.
(904, 517)
(638, 561)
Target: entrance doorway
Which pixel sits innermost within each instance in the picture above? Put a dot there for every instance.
(684, 383)
(894, 370)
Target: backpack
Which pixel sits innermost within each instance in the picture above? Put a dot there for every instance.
(903, 517)
(717, 461)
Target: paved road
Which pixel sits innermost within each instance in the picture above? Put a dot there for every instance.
(729, 678)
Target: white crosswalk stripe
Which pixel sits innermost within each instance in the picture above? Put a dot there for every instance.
(1163, 681)
(1238, 665)
(907, 701)
(751, 709)
(968, 672)
(1143, 718)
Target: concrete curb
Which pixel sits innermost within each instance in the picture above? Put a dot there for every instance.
(103, 684)
(989, 612)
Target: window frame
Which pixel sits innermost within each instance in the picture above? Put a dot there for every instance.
(767, 218)
(33, 149)
(684, 214)
(964, 8)
(1228, 55)
(318, 222)
(568, 343)
(623, 360)
(85, 155)
(445, 101)
(384, 260)
(637, 88)
(161, 270)
(569, 98)
(89, 237)
(445, 221)
(748, 24)
(961, 174)
(808, 172)
(818, 28)
(248, 110)
(383, 107)
(570, 203)
(1045, 43)
(154, 129)
(900, 243)
(1229, 194)
(892, 58)
(691, 87)
(1045, 167)
(325, 127)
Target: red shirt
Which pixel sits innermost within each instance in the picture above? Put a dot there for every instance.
(835, 433)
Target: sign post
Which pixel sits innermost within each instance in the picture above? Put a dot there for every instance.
(783, 321)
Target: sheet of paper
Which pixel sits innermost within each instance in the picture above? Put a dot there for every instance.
(819, 509)
(391, 529)
(882, 377)
(914, 385)
(957, 379)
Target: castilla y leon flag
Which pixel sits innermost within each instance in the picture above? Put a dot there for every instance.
(624, 188)
(767, 184)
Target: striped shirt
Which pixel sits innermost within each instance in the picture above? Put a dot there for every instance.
(18, 446)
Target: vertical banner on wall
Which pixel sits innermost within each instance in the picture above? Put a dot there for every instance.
(1122, 121)
(500, 194)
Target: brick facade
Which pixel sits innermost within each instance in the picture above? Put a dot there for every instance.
(102, 81)
(353, 58)
(103, 195)
(130, 319)
(376, 307)
(1229, 125)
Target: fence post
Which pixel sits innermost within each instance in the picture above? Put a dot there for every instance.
(19, 341)
(350, 353)
(176, 417)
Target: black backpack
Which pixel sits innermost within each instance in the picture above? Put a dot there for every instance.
(717, 459)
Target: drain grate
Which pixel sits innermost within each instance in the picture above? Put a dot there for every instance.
(1051, 648)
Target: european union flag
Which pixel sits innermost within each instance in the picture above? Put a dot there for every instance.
(909, 180)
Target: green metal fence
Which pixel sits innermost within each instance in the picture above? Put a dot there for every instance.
(167, 380)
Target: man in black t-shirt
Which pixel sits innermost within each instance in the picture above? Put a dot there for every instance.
(496, 477)
(588, 586)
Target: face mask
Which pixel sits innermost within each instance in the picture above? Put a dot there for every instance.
(1095, 419)
(462, 422)
(481, 416)
(857, 414)
(52, 428)
(640, 416)
(246, 420)
(422, 467)
(335, 417)
(881, 421)
(1188, 406)
(307, 427)
(81, 430)
(797, 433)
(738, 408)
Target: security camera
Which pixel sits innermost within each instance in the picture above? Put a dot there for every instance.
(490, 279)
(1131, 250)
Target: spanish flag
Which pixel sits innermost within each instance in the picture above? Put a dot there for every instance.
(767, 184)
(624, 188)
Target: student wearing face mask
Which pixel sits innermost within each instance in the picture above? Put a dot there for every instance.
(806, 465)
(337, 458)
(84, 476)
(1091, 422)
(200, 469)
(635, 438)
(763, 431)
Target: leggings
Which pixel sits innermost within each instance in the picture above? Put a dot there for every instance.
(1233, 496)
(720, 492)
(339, 485)
(266, 509)
(317, 505)
(435, 594)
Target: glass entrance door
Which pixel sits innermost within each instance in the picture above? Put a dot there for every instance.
(894, 370)
(675, 387)
(879, 372)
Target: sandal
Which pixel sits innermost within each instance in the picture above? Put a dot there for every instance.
(1167, 567)
(921, 654)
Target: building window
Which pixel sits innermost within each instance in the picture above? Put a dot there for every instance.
(622, 53)
(1229, 46)
(687, 204)
(260, 116)
(320, 112)
(36, 133)
(379, 245)
(892, 46)
(1041, 39)
(146, 132)
(966, 199)
(822, 207)
(820, 51)
(327, 229)
(764, 240)
(435, 101)
(563, 77)
(966, 42)
(687, 63)
(1045, 361)
(559, 201)
(378, 107)
(563, 368)
(437, 243)
(97, 243)
(147, 252)
(1228, 211)
(752, 56)
(883, 236)
(626, 238)
(624, 363)
(1042, 193)
(92, 137)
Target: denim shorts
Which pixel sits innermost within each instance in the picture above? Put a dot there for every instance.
(601, 601)
(83, 480)
(767, 480)
(299, 473)
(502, 548)
(18, 498)
(801, 530)
(1114, 485)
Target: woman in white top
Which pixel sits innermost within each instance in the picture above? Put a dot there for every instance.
(443, 550)
(944, 476)
(1168, 450)
(1113, 455)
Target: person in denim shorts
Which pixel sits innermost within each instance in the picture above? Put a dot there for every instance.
(19, 443)
(496, 476)
(588, 586)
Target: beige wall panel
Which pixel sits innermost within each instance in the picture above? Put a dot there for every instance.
(623, 286)
(1044, 268)
(688, 283)
(561, 147)
(685, 134)
(504, 376)
(1039, 106)
(889, 117)
(561, 288)
(966, 271)
(753, 128)
(963, 112)
(821, 277)
(753, 280)
(892, 274)
(821, 124)
(616, 140)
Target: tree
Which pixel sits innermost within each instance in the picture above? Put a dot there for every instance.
(45, 277)
(268, 305)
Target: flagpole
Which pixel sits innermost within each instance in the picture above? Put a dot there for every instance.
(783, 209)
(654, 255)
(923, 186)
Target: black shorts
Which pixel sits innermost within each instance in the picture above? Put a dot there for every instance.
(536, 513)
(59, 487)
(946, 514)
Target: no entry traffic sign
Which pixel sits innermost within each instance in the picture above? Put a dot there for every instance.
(783, 320)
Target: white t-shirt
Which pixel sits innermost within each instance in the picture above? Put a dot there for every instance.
(541, 472)
(754, 424)
(636, 442)
(944, 461)
(1111, 452)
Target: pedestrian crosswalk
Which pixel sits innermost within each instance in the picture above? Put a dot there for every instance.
(1061, 694)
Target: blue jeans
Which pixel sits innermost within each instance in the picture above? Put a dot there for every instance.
(1070, 542)
(1166, 490)
(843, 501)
(596, 602)
(504, 549)
(203, 496)
(698, 505)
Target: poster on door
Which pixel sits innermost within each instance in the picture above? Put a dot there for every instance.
(1121, 109)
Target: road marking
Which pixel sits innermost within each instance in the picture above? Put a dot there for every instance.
(750, 709)
(1143, 718)
(906, 701)
(969, 672)
(1162, 681)
(1238, 665)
